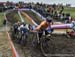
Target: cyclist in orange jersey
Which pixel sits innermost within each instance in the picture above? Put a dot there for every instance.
(46, 26)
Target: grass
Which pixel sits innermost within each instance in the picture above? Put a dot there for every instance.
(1, 18)
(70, 10)
(27, 21)
(13, 17)
(36, 18)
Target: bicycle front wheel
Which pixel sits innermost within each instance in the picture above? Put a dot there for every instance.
(47, 46)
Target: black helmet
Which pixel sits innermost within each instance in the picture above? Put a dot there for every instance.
(23, 23)
(49, 19)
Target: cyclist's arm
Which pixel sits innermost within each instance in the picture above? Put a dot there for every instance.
(40, 26)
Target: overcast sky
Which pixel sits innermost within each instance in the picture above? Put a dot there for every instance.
(72, 2)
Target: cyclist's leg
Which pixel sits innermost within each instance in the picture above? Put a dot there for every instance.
(40, 34)
(22, 40)
(48, 35)
(34, 40)
(27, 34)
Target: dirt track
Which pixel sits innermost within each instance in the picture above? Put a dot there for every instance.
(5, 50)
(60, 45)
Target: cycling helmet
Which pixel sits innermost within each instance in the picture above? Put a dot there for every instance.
(49, 19)
(23, 23)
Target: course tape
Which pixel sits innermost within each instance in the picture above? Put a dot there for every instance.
(42, 17)
(29, 18)
(22, 20)
(14, 52)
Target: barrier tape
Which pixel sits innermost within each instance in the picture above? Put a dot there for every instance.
(29, 18)
(14, 52)
(22, 20)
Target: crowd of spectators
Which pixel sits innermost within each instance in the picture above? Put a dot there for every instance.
(54, 11)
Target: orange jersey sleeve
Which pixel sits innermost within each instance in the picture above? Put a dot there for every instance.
(43, 24)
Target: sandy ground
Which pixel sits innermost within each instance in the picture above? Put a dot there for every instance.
(59, 44)
(5, 51)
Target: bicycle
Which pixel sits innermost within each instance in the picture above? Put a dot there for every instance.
(44, 42)
(23, 38)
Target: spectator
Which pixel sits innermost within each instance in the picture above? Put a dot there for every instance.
(4, 22)
(68, 18)
(62, 17)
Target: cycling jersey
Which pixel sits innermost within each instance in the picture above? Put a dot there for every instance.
(23, 29)
(49, 29)
(43, 25)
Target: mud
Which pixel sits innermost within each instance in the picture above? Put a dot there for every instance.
(59, 46)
